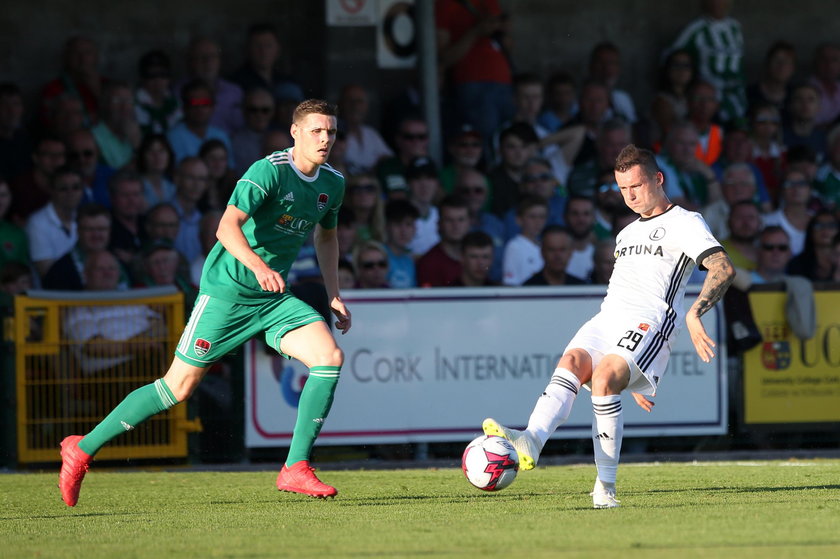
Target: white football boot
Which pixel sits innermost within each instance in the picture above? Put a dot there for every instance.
(526, 445)
(603, 496)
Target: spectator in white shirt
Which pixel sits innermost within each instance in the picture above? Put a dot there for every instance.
(52, 229)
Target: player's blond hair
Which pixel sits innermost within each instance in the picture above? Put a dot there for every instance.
(313, 106)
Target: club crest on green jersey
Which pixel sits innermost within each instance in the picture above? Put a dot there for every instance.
(323, 200)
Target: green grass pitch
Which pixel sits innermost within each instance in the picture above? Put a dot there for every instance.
(734, 509)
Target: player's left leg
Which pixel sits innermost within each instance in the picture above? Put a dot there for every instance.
(77, 451)
(314, 345)
(214, 328)
(609, 378)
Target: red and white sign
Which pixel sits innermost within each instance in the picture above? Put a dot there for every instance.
(351, 13)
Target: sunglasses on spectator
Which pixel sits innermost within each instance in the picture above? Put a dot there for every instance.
(609, 187)
(194, 178)
(374, 264)
(415, 137)
(766, 119)
(200, 102)
(472, 189)
(51, 154)
(165, 224)
(779, 248)
(82, 154)
(368, 187)
(791, 184)
(825, 225)
(120, 101)
(469, 144)
(76, 186)
(540, 177)
(260, 110)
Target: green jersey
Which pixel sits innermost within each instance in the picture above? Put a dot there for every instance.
(15, 245)
(284, 205)
(828, 185)
(717, 47)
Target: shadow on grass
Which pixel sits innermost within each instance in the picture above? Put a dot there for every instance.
(742, 489)
(385, 500)
(70, 514)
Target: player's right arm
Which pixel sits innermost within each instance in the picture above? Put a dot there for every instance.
(230, 235)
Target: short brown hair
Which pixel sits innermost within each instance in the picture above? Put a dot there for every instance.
(632, 156)
(529, 201)
(92, 209)
(476, 239)
(313, 106)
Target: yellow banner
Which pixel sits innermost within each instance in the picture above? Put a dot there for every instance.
(788, 380)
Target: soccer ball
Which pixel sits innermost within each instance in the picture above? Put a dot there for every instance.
(490, 462)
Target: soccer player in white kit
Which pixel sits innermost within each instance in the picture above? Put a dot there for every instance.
(628, 343)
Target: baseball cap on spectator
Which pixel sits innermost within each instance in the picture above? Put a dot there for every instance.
(395, 182)
(465, 130)
(155, 64)
(421, 167)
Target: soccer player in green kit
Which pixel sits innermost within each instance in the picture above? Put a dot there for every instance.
(243, 293)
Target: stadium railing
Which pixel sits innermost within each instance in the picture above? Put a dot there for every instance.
(78, 354)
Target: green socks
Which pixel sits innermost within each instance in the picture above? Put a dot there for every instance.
(315, 402)
(136, 408)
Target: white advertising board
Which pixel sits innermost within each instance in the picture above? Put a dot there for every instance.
(396, 34)
(351, 13)
(429, 365)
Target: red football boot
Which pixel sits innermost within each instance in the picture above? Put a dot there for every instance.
(74, 465)
(301, 478)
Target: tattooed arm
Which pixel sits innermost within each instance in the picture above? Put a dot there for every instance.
(721, 273)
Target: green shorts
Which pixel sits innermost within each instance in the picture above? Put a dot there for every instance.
(217, 327)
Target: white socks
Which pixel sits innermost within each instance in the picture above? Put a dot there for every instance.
(607, 432)
(553, 407)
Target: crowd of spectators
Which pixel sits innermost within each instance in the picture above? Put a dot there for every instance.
(525, 194)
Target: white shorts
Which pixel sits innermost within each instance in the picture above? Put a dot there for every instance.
(643, 346)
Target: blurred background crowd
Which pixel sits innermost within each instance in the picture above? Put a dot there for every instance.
(138, 172)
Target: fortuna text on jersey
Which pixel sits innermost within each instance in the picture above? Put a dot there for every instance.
(639, 249)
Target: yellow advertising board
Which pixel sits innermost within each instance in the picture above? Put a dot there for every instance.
(788, 380)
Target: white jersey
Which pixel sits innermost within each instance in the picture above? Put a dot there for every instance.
(653, 259)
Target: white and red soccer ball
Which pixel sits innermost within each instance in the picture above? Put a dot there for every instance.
(490, 463)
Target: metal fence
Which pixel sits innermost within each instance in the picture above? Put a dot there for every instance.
(78, 355)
